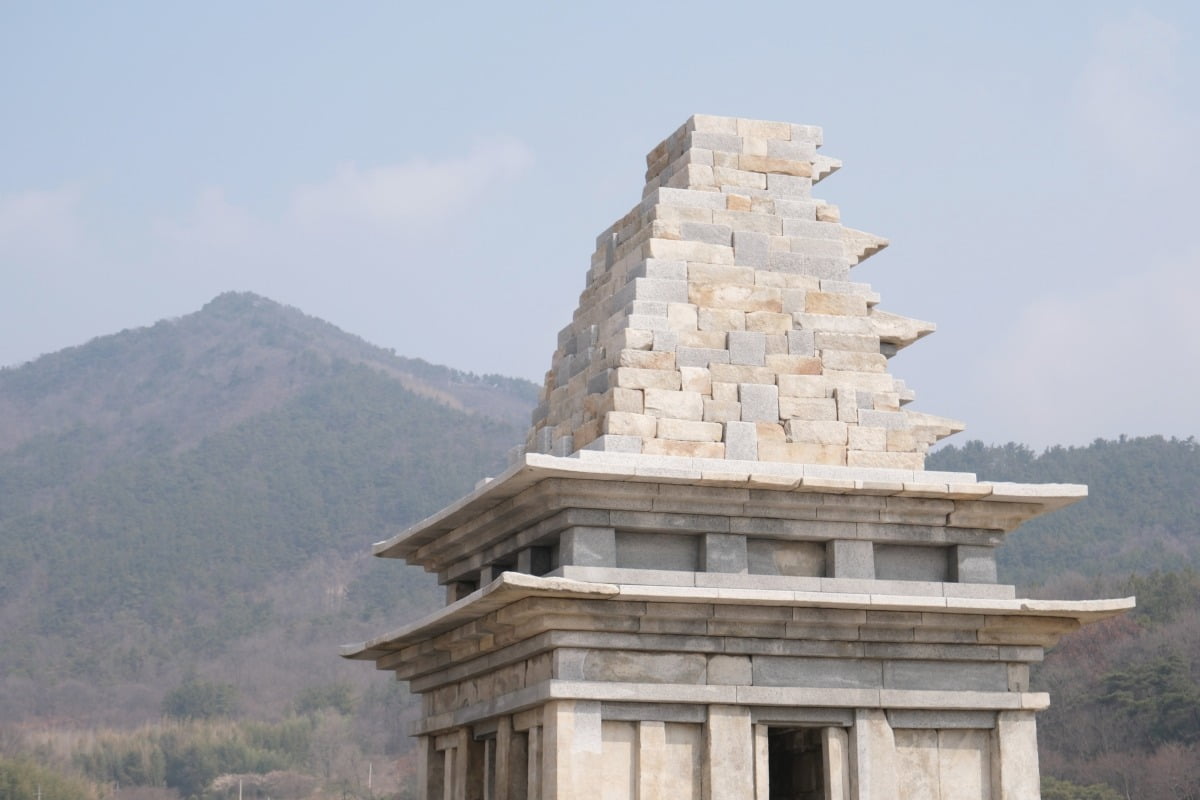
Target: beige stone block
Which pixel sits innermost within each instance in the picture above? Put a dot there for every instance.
(836, 767)
(722, 319)
(768, 322)
(834, 303)
(816, 431)
(865, 438)
(621, 423)
(681, 214)
(778, 166)
(749, 221)
(619, 769)
(862, 458)
(786, 364)
(754, 145)
(722, 410)
(689, 251)
(670, 447)
(827, 212)
(813, 408)
(723, 159)
(708, 123)
(634, 378)
(762, 129)
(802, 453)
(786, 280)
(663, 229)
(854, 362)
(762, 204)
(830, 340)
(771, 432)
(709, 340)
(741, 373)
(572, 748)
(801, 385)
(738, 297)
(681, 316)
(696, 379)
(632, 339)
(736, 202)
(647, 359)
(720, 273)
(887, 401)
(689, 431)
(1015, 755)
(724, 176)
(901, 441)
(585, 433)
(724, 392)
(872, 749)
(674, 404)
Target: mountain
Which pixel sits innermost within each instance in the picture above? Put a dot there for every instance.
(178, 497)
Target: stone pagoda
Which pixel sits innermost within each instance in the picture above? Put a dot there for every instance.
(719, 569)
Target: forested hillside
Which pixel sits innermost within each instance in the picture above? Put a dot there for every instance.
(189, 508)
(1124, 720)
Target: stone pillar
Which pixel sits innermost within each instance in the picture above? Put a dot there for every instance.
(430, 770)
(973, 564)
(572, 749)
(512, 762)
(762, 763)
(652, 760)
(872, 757)
(847, 558)
(1015, 772)
(469, 757)
(729, 754)
(724, 552)
(533, 767)
(836, 765)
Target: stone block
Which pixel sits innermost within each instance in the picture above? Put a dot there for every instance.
(802, 385)
(716, 319)
(710, 233)
(809, 408)
(735, 297)
(974, 564)
(737, 202)
(724, 391)
(723, 411)
(681, 316)
(750, 221)
(679, 250)
(816, 431)
(850, 559)
(741, 438)
(700, 356)
(674, 404)
(682, 449)
(741, 373)
(632, 378)
(664, 341)
(760, 402)
(621, 423)
(819, 673)
(789, 185)
(696, 379)
(768, 322)
(832, 304)
(724, 552)
(729, 754)
(646, 359)
(751, 248)
(864, 438)
(746, 347)
(853, 361)
(946, 676)
(787, 364)
(729, 670)
(689, 431)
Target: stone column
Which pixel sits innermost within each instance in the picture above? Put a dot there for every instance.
(430, 770)
(533, 767)
(836, 765)
(512, 762)
(762, 763)
(729, 754)
(652, 760)
(1015, 772)
(572, 749)
(872, 756)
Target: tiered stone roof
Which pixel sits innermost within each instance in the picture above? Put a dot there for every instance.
(720, 320)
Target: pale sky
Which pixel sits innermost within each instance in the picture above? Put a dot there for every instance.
(432, 177)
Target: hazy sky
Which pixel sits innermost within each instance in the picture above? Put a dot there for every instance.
(432, 177)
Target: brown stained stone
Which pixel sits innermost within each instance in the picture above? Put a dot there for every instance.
(815, 408)
(860, 458)
(620, 423)
(634, 378)
(801, 385)
(768, 322)
(689, 431)
(696, 379)
(736, 297)
(723, 320)
(646, 359)
(786, 364)
(854, 362)
(722, 411)
(901, 441)
(740, 373)
(737, 202)
(770, 432)
(720, 273)
(802, 453)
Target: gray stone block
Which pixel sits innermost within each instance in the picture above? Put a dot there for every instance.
(665, 342)
(892, 420)
(610, 443)
(658, 551)
(660, 269)
(789, 186)
(747, 347)
(912, 563)
(700, 356)
(850, 559)
(741, 441)
(974, 564)
(801, 343)
(688, 198)
(940, 719)
(805, 264)
(720, 142)
(701, 232)
(588, 547)
(724, 552)
(817, 673)
(600, 382)
(793, 209)
(735, 670)
(760, 402)
(751, 249)
(943, 676)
